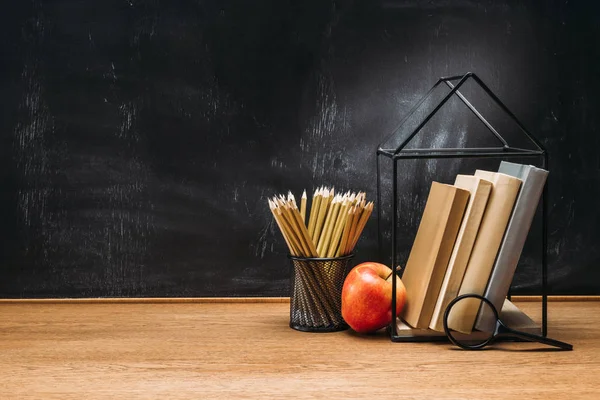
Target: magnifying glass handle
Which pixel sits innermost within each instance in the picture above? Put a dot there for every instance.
(503, 330)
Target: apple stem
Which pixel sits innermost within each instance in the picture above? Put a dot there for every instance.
(388, 277)
(391, 273)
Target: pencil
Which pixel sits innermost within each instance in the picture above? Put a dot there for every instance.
(363, 221)
(294, 248)
(338, 229)
(303, 207)
(323, 209)
(293, 223)
(351, 228)
(328, 229)
(312, 251)
(314, 210)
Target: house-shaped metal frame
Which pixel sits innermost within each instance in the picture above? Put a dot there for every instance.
(503, 151)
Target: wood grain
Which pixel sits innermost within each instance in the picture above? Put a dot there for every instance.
(196, 300)
(247, 350)
(149, 300)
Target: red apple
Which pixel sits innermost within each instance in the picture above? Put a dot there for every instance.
(367, 297)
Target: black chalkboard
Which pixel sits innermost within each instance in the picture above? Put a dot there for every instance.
(140, 139)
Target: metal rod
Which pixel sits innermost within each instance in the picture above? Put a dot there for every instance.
(456, 149)
(411, 111)
(431, 114)
(504, 150)
(394, 225)
(478, 115)
(545, 252)
(379, 236)
(456, 77)
(510, 114)
(466, 155)
(388, 155)
(537, 152)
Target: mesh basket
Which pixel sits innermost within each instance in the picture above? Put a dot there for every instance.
(316, 298)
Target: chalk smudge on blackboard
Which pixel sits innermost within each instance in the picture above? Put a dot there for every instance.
(322, 126)
(30, 151)
(275, 163)
(263, 239)
(146, 26)
(128, 113)
(123, 241)
(111, 73)
(319, 139)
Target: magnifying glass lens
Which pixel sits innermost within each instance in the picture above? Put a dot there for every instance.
(460, 318)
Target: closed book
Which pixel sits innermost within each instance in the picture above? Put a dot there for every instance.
(518, 228)
(491, 231)
(431, 251)
(480, 191)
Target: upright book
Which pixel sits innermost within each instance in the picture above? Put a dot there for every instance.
(431, 251)
(518, 228)
(495, 219)
(480, 191)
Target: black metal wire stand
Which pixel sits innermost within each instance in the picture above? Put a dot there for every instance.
(504, 151)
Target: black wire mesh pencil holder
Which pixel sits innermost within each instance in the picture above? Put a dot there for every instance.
(399, 150)
(316, 293)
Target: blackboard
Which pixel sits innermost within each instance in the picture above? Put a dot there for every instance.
(140, 139)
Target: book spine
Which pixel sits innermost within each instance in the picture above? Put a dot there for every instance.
(518, 228)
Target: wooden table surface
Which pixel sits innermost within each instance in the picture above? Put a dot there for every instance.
(241, 351)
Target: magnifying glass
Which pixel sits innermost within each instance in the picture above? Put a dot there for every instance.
(479, 340)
